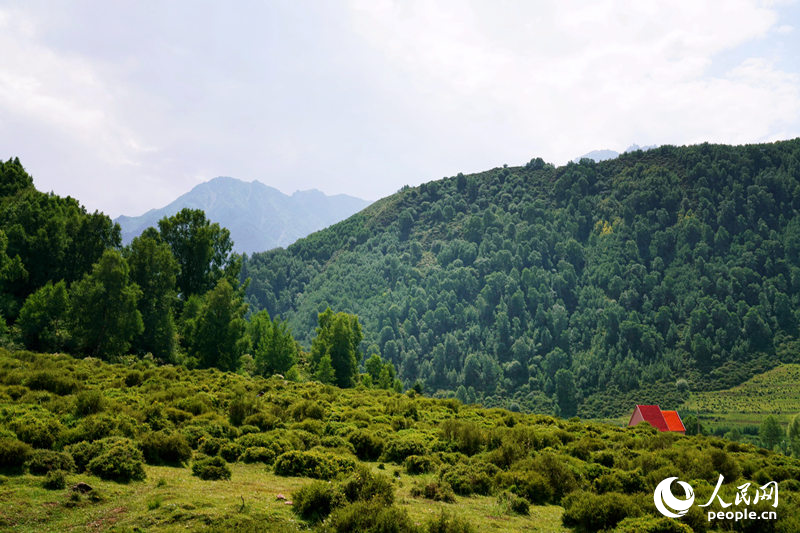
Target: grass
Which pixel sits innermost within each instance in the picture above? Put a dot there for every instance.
(775, 392)
(173, 500)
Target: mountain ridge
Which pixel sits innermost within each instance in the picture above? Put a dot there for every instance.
(260, 217)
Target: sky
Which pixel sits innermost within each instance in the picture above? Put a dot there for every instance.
(126, 105)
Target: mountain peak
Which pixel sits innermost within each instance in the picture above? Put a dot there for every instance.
(258, 216)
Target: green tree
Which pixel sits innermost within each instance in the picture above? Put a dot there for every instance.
(338, 336)
(154, 269)
(203, 251)
(103, 312)
(566, 393)
(373, 366)
(216, 336)
(273, 346)
(43, 318)
(325, 372)
(770, 432)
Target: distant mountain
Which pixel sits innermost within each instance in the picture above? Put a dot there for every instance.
(259, 217)
(604, 155)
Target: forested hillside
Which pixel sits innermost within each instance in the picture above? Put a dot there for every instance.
(577, 289)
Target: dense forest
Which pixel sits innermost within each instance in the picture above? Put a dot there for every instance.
(579, 289)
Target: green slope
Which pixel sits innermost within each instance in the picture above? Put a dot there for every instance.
(625, 275)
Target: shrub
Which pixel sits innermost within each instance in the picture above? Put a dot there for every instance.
(40, 431)
(400, 448)
(89, 402)
(51, 381)
(367, 445)
(362, 484)
(55, 480)
(311, 464)
(92, 427)
(513, 503)
(82, 452)
(369, 517)
(333, 441)
(591, 512)
(230, 451)
(120, 461)
(13, 453)
(211, 468)
(306, 409)
(467, 479)
(43, 461)
(161, 447)
(210, 445)
(264, 421)
(419, 464)
(465, 437)
(258, 454)
(316, 501)
(438, 491)
(133, 379)
(446, 523)
(557, 473)
(529, 484)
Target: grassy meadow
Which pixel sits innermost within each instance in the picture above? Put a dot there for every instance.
(164, 448)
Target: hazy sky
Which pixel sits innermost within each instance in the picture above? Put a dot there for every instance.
(126, 105)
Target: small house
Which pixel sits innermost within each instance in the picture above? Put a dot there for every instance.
(662, 420)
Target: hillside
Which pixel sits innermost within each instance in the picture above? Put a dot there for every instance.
(259, 217)
(579, 289)
(163, 448)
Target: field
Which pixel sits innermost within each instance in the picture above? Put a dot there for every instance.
(144, 437)
(775, 392)
(171, 499)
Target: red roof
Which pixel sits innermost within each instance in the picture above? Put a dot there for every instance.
(652, 414)
(673, 421)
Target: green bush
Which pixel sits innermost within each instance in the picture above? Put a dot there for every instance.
(40, 431)
(120, 461)
(55, 480)
(369, 517)
(467, 479)
(316, 501)
(133, 379)
(446, 523)
(89, 402)
(13, 453)
(43, 461)
(162, 447)
(590, 512)
(465, 437)
(529, 484)
(263, 421)
(230, 451)
(367, 445)
(92, 427)
(362, 484)
(51, 381)
(210, 445)
(401, 447)
(258, 454)
(419, 464)
(438, 491)
(82, 452)
(312, 464)
(211, 468)
(306, 409)
(513, 503)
